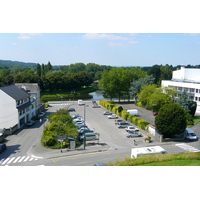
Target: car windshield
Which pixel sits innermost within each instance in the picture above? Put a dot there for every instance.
(192, 134)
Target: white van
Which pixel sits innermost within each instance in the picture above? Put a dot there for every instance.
(80, 102)
(190, 135)
(137, 152)
(133, 112)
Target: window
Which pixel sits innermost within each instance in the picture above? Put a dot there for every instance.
(192, 90)
(196, 98)
(196, 90)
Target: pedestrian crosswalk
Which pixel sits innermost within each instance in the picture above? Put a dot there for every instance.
(19, 159)
(187, 147)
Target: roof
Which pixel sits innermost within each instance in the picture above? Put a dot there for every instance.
(29, 87)
(14, 92)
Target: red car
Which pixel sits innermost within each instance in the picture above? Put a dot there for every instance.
(155, 113)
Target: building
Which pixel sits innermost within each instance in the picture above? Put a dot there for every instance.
(34, 91)
(188, 80)
(14, 108)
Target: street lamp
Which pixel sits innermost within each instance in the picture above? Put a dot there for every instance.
(61, 139)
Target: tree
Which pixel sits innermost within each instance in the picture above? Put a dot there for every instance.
(158, 99)
(116, 81)
(145, 94)
(171, 120)
(185, 102)
(136, 85)
(38, 70)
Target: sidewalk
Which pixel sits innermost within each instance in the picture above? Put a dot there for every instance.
(38, 151)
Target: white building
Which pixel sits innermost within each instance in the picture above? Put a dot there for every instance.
(34, 91)
(188, 80)
(14, 108)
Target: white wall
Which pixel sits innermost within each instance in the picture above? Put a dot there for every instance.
(8, 111)
(187, 74)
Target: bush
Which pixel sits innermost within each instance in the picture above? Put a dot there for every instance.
(171, 120)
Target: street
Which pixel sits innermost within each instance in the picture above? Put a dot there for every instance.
(24, 148)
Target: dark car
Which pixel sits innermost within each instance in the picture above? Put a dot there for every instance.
(71, 110)
(30, 123)
(2, 147)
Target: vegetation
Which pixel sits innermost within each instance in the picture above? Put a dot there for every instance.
(117, 81)
(186, 159)
(124, 114)
(171, 120)
(60, 125)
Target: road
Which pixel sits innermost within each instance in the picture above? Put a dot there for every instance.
(21, 144)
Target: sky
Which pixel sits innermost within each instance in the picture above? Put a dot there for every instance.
(114, 49)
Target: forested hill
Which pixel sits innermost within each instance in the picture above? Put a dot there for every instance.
(10, 64)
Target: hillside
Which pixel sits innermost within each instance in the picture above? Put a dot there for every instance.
(10, 64)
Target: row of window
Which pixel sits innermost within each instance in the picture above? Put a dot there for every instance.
(23, 101)
(191, 90)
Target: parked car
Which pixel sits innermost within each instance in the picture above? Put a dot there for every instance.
(155, 113)
(190, 135)
(30, 123)
(122, 124)
(83, 126)
(113, 116)
(85, 130)
(71, 110)
(118, 120)
(79, 123)
(96, 106)
(133, 134)
(131, 129)
(41, 115)
(78, 119)
(2, 147)
(74, 116)
(80, 102)
(107, 113)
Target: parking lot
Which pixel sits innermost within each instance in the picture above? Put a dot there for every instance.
(109, 133)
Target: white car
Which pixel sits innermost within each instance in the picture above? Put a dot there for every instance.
(134, 134)
(131, 129)
(113, 116)
(78, 119)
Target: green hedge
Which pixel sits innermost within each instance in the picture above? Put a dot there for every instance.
(141, 123)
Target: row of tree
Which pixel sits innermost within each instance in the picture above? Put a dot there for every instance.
(52, 82)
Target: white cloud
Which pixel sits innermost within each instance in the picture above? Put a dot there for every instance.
(103, 36)
(14, 43)
(27, 36)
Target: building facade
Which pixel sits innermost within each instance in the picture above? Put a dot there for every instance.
(188, 80)
(34, 91)
(14, 108)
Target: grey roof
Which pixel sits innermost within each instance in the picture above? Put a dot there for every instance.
(29, 87)
(14, 92)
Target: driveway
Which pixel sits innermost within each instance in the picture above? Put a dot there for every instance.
(147, 115)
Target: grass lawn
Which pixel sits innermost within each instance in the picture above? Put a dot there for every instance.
(184, 159)
(175, 163)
